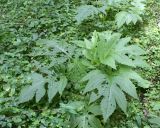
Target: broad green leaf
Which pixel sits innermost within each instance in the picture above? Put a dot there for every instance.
(95, 109)
(127, 86)
(83, 12)
(124, 59)
(121, 18)
(94, 122)
(119, 97)
(55, 87)
(83, 121)
(110, 61)
(36, 89)
(86, 121)
(26, 94)
(155, 121)
(94, 97)
(95, 79)
(73, 107)
(108, 104)
(122, 43)
(127, 17)
(62, 84)
(130, 74)
(52, 90)
(54, 44)
(140, 62)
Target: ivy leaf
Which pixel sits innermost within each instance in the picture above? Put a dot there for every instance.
(36, 89)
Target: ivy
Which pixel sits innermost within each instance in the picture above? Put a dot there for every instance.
(77, 64)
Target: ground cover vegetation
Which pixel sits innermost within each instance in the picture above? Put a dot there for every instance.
(79, 64)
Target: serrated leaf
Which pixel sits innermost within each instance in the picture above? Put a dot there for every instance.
(94, 97)
(127, 17)
(122, 43)
(119, 97)
(83, 12)
(54, 44)
(121, 18)
(108, 49)
(110, 61)
(86, 121)
(94, 122)
(83, 122)
(124, 59)
(130, 74)
(37, 89)
(62, 84)
(108, 104)
(55, 87)
(95, 109)
(155, 121)
(52, 90)
(73, 107)
(95, 78)
(127, 86)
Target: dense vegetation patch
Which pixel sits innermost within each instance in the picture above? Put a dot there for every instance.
(79, 64)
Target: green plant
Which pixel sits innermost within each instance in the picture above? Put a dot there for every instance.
(112, 60)
(129, 11)
(50, 77)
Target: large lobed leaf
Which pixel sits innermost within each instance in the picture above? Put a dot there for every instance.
(37, 89)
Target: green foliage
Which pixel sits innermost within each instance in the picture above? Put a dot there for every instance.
(131, 11)
(132, 14)
(38, 88)
(50, 77)
(106, 50)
